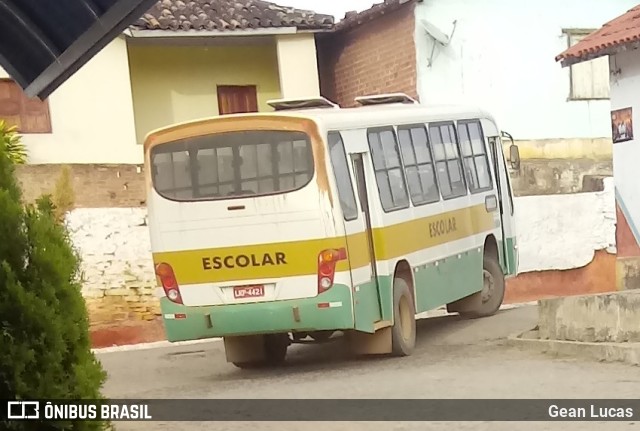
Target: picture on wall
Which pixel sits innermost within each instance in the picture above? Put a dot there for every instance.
(622, 125)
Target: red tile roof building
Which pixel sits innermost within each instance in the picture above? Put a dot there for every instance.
(617, 35)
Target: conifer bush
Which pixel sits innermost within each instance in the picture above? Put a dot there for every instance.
(45, 349)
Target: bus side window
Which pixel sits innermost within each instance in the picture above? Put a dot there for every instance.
(418, 164)
(448, 164)
(474, 154)
(388, 168)
(343, 176)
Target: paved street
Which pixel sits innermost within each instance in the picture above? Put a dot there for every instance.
(454, 359)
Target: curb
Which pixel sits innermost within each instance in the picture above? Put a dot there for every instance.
(628, 353)
(150, 346)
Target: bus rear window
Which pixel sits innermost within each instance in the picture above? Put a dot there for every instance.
(234, 164)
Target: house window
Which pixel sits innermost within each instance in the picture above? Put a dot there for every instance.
(30, 115)
(237, 99)
(590, 79)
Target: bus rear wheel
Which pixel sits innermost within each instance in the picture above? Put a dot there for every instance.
(275, 351)
(492, 294)
(403, 332)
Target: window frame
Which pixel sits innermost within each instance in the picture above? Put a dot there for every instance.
(409, 127)
(457, 143)
(473, 155)
(571, 33)
(392, 129)
(236, 180)
(48, 130)
(349, 171)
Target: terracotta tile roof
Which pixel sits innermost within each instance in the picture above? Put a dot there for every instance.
(228, 15)
(354, 19)
(618, 32)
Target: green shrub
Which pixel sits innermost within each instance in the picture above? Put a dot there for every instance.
(45, 349)
(63, 195)
(13, 143)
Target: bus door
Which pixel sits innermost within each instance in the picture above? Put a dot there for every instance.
(507, 214)
(368, 302)
(351, 182)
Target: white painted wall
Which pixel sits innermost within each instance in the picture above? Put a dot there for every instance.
(625, 93)
(116, 251)
(502, 57)
(91, 115)
(564, 231)
(298, 66)
(114, 246)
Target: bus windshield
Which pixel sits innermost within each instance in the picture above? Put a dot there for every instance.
(232, 164)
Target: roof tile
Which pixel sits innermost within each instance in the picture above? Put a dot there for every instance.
(619, 31)
(354, 19)
(228, 15)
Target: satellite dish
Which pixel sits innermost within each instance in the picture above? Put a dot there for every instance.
(435, 32)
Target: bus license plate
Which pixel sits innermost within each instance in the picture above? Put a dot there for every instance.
(242, 292)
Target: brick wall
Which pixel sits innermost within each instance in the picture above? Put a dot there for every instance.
(95, 186)
(378, 56)
(109, 230)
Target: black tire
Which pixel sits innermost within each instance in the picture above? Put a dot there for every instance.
(275, 349)
(491, 303)
(403, 331)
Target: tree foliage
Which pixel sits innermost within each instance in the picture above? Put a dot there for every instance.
(12, 140)
(45, 349)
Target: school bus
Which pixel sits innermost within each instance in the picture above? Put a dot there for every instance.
(293, 225)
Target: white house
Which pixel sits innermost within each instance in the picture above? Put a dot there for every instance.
(497, 53)
(619, 39)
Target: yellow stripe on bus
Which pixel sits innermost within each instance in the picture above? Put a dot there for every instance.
(298, 258)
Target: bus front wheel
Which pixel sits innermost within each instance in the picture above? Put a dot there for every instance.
(404, 319)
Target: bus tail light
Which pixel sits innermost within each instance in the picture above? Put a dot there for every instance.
(169, 282)
(327, 261)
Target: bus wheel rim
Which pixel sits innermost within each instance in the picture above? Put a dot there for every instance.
(488, 284)
(405, 318)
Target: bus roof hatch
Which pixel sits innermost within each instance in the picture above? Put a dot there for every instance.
(385, 99)
(292, 104)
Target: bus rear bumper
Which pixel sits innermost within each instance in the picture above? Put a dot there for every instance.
(331, 310)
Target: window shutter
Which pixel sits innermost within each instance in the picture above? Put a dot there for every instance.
(30, 115)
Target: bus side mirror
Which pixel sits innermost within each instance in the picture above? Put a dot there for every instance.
(514, 157)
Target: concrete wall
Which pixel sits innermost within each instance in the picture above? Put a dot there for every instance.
(91, 115)
(178, 83)
(609, 318)
(563, 232)
(298, 66)
(625, 92)
(502, 57)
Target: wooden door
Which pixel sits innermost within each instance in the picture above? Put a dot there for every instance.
(237, 99)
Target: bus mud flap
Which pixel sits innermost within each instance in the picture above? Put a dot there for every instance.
(363, 343)
(244, 349)
(465, 305)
